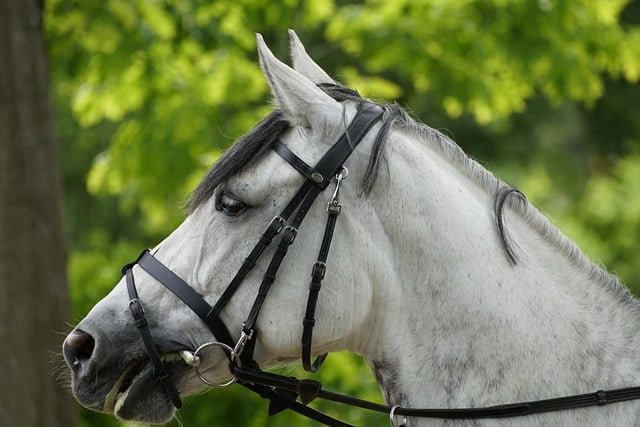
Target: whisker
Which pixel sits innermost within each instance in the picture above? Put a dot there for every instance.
(59, 370)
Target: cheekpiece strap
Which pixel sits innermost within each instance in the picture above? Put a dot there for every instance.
(141, 323)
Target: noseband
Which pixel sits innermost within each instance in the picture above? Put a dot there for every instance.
(288, 392)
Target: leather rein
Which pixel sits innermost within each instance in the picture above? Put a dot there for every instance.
(289, 392)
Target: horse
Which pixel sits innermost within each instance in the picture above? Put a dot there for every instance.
(451, 285)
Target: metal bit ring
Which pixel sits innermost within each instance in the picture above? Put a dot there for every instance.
(233, 358)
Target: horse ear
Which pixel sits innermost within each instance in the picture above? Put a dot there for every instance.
(299, 99)
(303, 63)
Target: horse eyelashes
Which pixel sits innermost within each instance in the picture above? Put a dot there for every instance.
(229, 203)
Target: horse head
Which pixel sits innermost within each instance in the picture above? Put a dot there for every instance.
(251, 184)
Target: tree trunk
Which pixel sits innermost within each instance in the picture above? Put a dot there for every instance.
(33, 294)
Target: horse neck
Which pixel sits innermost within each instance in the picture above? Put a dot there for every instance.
(456, 324)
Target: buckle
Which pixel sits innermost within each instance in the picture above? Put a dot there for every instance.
(317, 178)
(281, 223)
(290, 234)
(319, 269)
(333, 207)
(242, 342)
(136, 308)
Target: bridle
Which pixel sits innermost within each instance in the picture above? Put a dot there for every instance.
(288, 392)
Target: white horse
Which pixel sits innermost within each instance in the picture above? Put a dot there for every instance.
(422, 280)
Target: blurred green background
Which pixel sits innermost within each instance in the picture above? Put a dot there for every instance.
(148, 93)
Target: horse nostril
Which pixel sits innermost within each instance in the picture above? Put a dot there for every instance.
(77, 348)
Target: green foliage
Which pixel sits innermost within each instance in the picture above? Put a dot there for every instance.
(149, 93)
(609, 211)
(604, 218)
(494, 54)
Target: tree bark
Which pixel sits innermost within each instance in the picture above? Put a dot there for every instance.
(33, 293)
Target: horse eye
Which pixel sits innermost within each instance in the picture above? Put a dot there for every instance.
(230, 204)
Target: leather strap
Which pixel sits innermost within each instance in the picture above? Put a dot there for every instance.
(281, 399)
(317, 275)
(297, 163)
(287, 239)
(187, 294)
(367, 116)
(274, 228)
(140, 322)
(313, 390)
(328, 166)
(599, 398)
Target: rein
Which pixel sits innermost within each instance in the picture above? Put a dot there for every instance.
(289, 392)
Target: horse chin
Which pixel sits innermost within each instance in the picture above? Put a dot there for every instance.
(144, 401)
(138, 396)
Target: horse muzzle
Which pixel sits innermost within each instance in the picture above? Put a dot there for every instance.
(120, 383)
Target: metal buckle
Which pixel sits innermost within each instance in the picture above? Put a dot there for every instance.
(242, 342)
(334, 205)
(137, 312)
(317, 178)
(279, 219)
(293, 235)
(319, 267)
(135, 302)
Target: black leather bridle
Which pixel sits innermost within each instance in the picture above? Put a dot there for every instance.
(288, 392)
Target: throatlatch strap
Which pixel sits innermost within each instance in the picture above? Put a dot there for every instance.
(317, 275)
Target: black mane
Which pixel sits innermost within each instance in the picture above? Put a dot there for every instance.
(252, 145)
